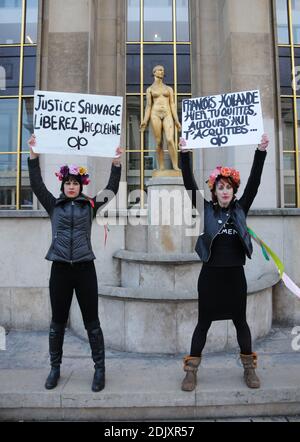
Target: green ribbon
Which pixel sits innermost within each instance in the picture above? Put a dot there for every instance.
(267, 252)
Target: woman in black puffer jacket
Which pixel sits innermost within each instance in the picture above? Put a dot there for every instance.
(73, 259)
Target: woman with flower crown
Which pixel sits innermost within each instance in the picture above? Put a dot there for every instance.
(72, 257)
(223, 247)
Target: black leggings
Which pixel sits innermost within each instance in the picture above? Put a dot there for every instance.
(242, 331)
(63, 280)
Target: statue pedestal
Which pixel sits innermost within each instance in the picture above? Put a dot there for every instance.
(166, 173)
(155, 308)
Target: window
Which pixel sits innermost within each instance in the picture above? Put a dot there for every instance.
(288, 41)
(18, 36)
(157, 34)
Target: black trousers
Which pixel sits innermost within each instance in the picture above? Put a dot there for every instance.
(64, 279)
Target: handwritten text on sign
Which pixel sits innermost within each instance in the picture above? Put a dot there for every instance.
(77, 123)
(222, 120)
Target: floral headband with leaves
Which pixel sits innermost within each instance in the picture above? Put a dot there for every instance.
(225, 172)
(65, 171)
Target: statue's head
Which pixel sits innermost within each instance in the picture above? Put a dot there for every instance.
(158, 68)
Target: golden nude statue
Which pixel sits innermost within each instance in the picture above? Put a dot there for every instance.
(161, 110)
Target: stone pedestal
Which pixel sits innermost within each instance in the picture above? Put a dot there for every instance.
(155, 309)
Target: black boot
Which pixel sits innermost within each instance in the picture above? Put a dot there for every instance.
(56, 339)
(97, 346)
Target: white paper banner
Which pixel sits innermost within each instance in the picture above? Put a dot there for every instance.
(77, 124)
(231, 119)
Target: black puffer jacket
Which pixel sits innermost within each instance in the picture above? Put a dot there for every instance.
(214, 217)
(71, 219)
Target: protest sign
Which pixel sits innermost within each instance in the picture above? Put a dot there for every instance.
(222, 120)
(81, 124)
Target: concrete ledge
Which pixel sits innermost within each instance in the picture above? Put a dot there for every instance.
(23, 214)
(151, 393)
(157, 258)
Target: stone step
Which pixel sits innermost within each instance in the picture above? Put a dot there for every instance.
(141, 387)
(147, 390)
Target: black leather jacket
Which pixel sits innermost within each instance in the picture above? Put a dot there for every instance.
(214, 217)
(71, 219)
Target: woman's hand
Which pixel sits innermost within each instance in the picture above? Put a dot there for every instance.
(263, 143)
(182, 146)
(117, 158)
(31, 143)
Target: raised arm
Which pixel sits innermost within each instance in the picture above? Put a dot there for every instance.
(255, 175)
(110, 191)
(188, 176)
(36, 181)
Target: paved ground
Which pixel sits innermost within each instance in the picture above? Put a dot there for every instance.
(143, 387)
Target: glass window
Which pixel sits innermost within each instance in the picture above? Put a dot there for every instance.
(10, 64)
(7, 196)
(158, 20)
(27, 121)
(282, 22)
(296, 20)
(183, 69)
(289, 180)
(285, 69)
(31, 21)
(13, 168)
(133, 123)
(133, 68)
(10, 21)
(158, 55)
(287, 121)
(298, 123)
(8, 125)
(29, 70)
(158, 38)
(26, 192)
(8, 174)
(182, 20)
(133, 20)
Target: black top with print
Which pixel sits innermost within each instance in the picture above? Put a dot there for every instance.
(227, 249)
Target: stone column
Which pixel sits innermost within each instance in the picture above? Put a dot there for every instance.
(64, 63)
(167, 211)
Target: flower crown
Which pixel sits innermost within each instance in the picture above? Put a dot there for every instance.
(65, 171)
(226, 172)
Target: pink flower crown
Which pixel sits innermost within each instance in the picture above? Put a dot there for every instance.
(226, 172)
(65, 171)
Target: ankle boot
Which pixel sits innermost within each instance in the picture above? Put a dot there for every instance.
(98, 354)
(250, 363)
(191, 364)
(56, 339)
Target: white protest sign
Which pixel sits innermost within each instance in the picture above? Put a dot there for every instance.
(222, 120)
(80, 124)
